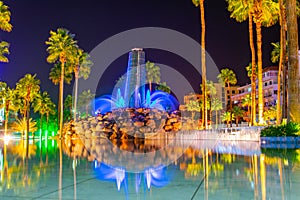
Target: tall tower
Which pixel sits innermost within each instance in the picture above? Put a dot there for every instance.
(136, 78)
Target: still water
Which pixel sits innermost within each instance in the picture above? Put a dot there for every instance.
(100, 169)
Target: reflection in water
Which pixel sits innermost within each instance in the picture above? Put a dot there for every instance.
(60, 171)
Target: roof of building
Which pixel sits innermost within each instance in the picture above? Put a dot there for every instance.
(270, 68)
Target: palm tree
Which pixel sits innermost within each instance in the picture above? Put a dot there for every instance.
(61, 48)
(42, 104)
(200, 3)
(270, 114)
(20, 125)
(7, 95)
(5, 24)
(163, 87)
(193, 106)
(28, 89)
(266, 13)
(252, 73)
(241, 10)
(228, 77)
(293, 68)
(68, 104)
(246, 102)
(82, 69)
(238, 113)
(85, 99)
(227, 117)
(210, 91)
(216, 105)
(153, 74)
(4, 51)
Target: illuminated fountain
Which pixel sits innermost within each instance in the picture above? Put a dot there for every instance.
(131, 104)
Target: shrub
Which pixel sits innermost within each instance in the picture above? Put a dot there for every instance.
(290, 129)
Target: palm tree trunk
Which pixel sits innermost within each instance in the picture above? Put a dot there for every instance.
(253, 72)
(61, 92)
(76, 92)
(282, 48)
(6, 117)
(293, 68)
(203, 63)
(259, 74)
(150, 86)
(230, 104)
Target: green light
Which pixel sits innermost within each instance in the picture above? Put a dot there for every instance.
(46, 139)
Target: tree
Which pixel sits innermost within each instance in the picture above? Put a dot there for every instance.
(28, 89)
(210, 92)
(163, 87)
(193, 106)
(200, 3)
(238, 113)
(153, 74)
(4, 51)
(228, 77)
(227, 117)
(85, 99)
(68, 104)
(266, 13)
(82, 69)
(7, 95)
(216, 105)
(246, 102)
(43, 104)
(293, 67)
(5, 25)
(61, 48)
(250, 70)
(270, 114)
(241, 10)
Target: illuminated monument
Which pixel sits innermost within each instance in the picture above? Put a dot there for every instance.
(135, 78)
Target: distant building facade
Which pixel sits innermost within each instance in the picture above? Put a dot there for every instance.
(270, 89)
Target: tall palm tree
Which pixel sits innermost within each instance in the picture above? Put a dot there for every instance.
(266, 13)
(228, 77)
(153, 74)
(7, 95)
(28, 89)
(293, 68)
(42, 104)
(61, 48)
(210, 92)
(241, 10)
(82, 69)
(85, 99)
(200, 3)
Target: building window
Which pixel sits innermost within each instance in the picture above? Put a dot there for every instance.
(270, 82)
(227, 91)
(228, 97)
(275, 91)
(266, 84)
(233, 91)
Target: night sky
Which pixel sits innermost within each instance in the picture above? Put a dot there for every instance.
(93, 21)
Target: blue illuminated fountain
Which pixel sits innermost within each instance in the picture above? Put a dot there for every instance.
(131, 92)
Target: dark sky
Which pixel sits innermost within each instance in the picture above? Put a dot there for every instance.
(93, 21)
